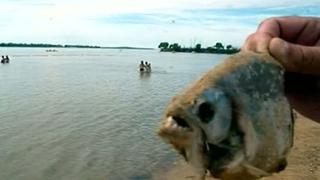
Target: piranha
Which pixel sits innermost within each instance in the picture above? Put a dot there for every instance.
(235, 121)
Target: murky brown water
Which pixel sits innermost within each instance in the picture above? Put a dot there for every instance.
(88, 113)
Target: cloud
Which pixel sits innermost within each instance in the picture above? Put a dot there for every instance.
(123, 22)
(209, 15)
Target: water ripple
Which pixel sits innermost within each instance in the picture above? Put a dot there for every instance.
(88, 114)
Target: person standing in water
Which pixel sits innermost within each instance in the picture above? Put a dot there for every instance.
(3, 60)
(149, 67)
(141, 66)
(7, 59)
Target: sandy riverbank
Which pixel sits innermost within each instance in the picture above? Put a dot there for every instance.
(303, 160)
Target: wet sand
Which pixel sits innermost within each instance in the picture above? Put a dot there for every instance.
(303, 160)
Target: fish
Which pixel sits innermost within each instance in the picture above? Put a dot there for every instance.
(235, 121)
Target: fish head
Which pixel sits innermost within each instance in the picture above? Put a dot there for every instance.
(229, 124)
(200, 128)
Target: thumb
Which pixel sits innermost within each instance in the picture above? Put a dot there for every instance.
(296, 58)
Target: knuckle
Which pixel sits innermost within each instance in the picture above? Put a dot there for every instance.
(268, 20)
(250, 37)
(249, 42)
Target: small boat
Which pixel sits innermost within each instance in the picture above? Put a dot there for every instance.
(51, 50)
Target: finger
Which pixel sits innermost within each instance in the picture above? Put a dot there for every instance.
(270, 26)
(310, 34)
(296, 58)
(249, 44)
(295, 29)
(257, 42)
(263, 41)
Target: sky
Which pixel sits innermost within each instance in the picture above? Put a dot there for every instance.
(141, 23)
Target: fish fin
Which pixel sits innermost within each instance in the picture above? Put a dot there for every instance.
(256, 171)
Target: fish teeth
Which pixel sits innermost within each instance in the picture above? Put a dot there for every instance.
(175, 126)
(185, 129)
(207, 146)
(172, 124)
(170, 120)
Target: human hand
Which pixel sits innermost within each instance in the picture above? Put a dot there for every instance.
(295, 43)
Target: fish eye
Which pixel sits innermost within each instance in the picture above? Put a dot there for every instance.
(205, 112)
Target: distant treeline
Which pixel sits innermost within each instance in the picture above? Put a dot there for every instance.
(218, 48)
(45, 45)
(66, 46)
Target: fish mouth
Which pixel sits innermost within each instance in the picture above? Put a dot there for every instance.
(175, 123)
(178, 132)
(218, 156)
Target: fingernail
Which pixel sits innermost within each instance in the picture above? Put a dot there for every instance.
(279, 48)
(262, 47)
(284, 52)
(285, 48)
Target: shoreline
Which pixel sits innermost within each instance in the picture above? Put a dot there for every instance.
(45, 45)
(121, 48)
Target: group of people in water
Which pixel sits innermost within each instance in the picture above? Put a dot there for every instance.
(5, 59)
(145, 67)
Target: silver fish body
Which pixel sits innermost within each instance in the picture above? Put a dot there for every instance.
(235, 121)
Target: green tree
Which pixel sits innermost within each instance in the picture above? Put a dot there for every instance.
(197, 48)
(163, 45)
(218, 45)
(229, 47)
(175, 47)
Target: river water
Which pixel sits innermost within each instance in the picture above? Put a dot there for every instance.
(81, 114)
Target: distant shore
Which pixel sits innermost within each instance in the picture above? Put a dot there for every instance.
(211, 51)
(40, 45)
(163, 47)
(218, 48)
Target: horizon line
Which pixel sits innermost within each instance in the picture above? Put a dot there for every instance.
(50, 45)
